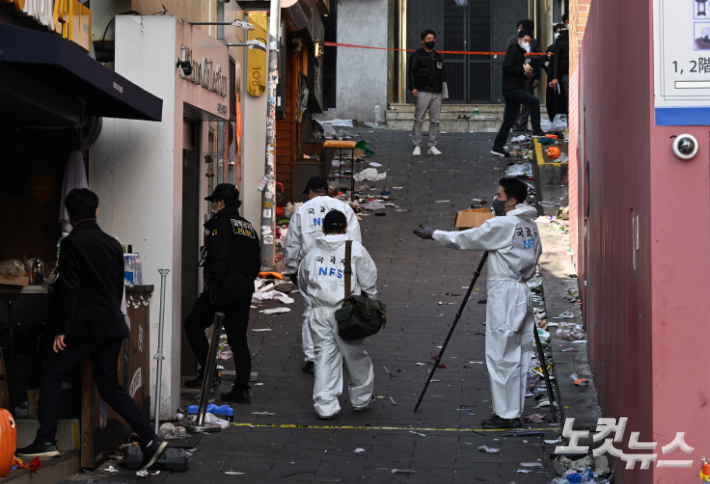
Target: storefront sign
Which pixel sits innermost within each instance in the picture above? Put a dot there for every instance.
(69, 18)
(204, 73)
(256, 58)
(681, 41)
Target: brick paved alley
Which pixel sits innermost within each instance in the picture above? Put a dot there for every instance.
(414, 276)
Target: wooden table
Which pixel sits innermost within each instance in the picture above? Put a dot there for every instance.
(102, 430)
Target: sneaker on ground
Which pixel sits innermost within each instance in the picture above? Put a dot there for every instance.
(309, 368)
(237, 395)
(37, 450)
(153, 452)
(496, 422)
(500, 152)
(434, 151)
(417, 151)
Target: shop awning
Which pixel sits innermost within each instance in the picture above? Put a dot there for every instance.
(32, 61)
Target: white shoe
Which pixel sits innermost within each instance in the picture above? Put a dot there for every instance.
(417, 151)
(434, 151)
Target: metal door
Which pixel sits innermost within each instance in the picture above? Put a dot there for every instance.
(480, 26)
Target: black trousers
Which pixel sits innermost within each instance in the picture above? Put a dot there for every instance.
(522, 120)
(551, 102)
(513, 100)
(104, 354)
(235, 306)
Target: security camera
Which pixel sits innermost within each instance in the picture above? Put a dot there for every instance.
(185, 66)
(685, 146)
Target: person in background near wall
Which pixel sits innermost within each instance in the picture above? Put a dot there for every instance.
(85, 321)
(560, 61)
(521, 123)
(515, 72)
(425, 75)
(232, 263)
(548, 65)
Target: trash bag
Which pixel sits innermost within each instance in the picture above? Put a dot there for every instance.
(12, 268)
(373, 205)
(523, 169)
(361, 145)
(369, 174)
(545, 125)
(559, 123)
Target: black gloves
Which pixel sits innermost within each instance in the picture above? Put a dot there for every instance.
(294, 279)
(214, 289)
(424, 232)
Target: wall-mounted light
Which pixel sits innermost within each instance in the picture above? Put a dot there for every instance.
(317, 50)
(702, 12)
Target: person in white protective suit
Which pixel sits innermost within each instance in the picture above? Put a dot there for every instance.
(513, 244)
(305, 227)
(321, 277)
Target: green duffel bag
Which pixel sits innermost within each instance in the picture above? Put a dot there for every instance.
(360, 316)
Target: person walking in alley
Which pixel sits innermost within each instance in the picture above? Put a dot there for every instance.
(515, 74)
(548, 65)
(231, 265)
(85, 321)
(513, 244)
(521, 123)
(560, 61)
(305, 227)
(425, 76)
(321, 278)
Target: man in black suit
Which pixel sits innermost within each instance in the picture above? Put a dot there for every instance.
(521, 123)
(85, 321)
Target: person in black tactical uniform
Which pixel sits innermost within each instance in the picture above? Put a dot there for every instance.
(231, 265)
(425, 75)
(560, 61)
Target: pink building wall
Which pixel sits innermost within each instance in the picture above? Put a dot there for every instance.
(649, 326)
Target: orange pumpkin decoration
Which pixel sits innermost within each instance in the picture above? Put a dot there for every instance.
(8, 442)
(553, 152)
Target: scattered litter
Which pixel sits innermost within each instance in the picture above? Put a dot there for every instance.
(275, 311)
(420, 364)
(403, 471)
(553, 442)
(581, 382)
(263, 413)
(372, 163)
(568, 349)
(111, 469)
(443, 201)
(233, 473)
(523, 169)
(488, 450)
(580, 341)
(534, 418)
(476, 362)
(417, 433)
(359, 450)
(446, 303)
(523, 471)
(369, 174)
(261, 330)
(531, 464)
(392, 400)
(565, 315)
(141, 473)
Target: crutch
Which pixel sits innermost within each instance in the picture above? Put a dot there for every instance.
(159, 355)
(453, 326)
(548, 383)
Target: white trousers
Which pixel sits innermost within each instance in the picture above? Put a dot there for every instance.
(509, 344)
(306, 338)
(331, 353)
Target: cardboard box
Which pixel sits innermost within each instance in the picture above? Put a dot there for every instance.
(15, 281)
(33, 396)
(33, 411)
(471, 218)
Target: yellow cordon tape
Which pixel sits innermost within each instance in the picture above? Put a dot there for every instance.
(373, 427)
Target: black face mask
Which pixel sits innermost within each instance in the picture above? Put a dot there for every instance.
(430, 45)
(498, 207)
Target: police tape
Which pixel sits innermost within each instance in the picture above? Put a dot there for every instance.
(374, 427)
(336, 44)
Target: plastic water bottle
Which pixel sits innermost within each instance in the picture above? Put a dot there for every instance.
(475, 111)
(570, 262)
(59, 244)
(128, 268)
(378, 115)
(139, 270)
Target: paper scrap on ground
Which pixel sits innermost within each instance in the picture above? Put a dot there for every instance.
(523, 471)
(260, 330)
(476, 362)
(111, 469)
(392, 400)
(359, 450)
(531, 464)
(403, 471)
(372, 163)
(443, 201)
(275, 311)
(141, 473)
(485, 448)
(263, 413)
(233, 473)
(416, 433)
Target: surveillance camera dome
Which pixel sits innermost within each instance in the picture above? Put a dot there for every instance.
(685, 146)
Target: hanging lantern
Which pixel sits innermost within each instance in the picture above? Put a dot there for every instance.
(701, 8)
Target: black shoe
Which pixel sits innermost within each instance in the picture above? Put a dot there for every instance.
(309, 368)
(37, 450)
(500, 152)
(237, 395)
(538, 133)
(153, 451)
(495, 422)
(196, 383)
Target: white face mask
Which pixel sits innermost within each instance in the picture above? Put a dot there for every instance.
(525, 45)
(557, 35)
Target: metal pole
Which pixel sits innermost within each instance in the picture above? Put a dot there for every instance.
(209, 368)
(159, 355)
(268, 196)
(548, 383)
(11, 380)
(453, 327)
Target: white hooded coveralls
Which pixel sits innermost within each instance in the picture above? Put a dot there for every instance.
(305, 227)
(321, 276)
(513, 245)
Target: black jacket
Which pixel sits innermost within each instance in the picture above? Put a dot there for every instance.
(513, 72)
(561, 57)
(535, 60)
(550, 69)
(424, 73)
(86, 300)
(233, 257)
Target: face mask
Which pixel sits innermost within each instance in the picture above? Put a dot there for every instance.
(430, 45)
(557, 35)
(498, 207)
(525, 45)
